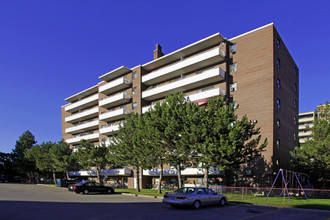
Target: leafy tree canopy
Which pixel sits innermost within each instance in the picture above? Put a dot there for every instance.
(313, 157)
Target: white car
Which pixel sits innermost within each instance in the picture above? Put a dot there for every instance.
(195, 197)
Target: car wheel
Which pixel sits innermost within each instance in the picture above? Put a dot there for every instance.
(109, 191)
(222, 202)
(196, 204)
(86, 191)
(6, 181)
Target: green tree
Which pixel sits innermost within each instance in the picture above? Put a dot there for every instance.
(21, 163)
(169, 131)
(62, 160)
(6, 163)
(41, 155)
(89, 155)
(313, 157)
(128, 146)
(221, 140)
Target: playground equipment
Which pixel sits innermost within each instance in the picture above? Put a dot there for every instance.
(290, 177)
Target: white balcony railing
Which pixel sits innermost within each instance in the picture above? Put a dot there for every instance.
(206, 94)
(114, 115)
(83, 127)
(306, 119)
(192, 63)
(120, 171)
(84, 103)
(201, 79)
(305, 134)
(115, 100)
(83, 115)
(185, 172)
(91, 137)
(194, 97)
(304, 126)
(115, 85)
(110, 129)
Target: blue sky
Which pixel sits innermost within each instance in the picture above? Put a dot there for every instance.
(50, 50)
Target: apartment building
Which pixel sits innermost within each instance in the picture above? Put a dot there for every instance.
(255, 70)
(306, 122)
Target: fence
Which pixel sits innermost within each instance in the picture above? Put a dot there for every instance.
(295, 197)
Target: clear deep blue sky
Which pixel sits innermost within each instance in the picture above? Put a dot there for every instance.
(50, 50)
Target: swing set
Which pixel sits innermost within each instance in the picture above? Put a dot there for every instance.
(290, 178)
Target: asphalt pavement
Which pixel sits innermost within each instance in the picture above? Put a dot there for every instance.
(36, 202)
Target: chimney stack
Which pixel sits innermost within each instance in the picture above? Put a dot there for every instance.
(158, 52)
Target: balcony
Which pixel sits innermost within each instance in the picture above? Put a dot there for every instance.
(304, 126)
(147, 108)
(189, 64)
(110, 129)
(89, 137)
(115, 86)
(306, 119)
(83, 127)
(203, 94)
(115, 100)
(84, 115)
(185, 172)
(305, 134)
(121, 172)
(84, 103)
(185, 84)
(114, 114)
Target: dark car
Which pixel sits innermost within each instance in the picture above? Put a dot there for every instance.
(10, 179)
(91, 187)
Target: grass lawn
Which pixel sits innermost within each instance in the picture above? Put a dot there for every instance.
(300, 202)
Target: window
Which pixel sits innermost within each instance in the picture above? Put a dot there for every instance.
(295, 87)
(278, 104)
(278, 143)
(134, 90)
(295, 71)
(233, 87)
(278, 43)
(134, 106)
(233, 67)
(295, 103)
(235, 105)
(277, 162)
(233, 48)
(134, 75)
(278, 122)
(278, 63)
(295, 120)
(294, 136)
(278, 83)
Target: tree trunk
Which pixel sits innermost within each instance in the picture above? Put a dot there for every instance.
(137, 179)
(206, 177)
(98, 171)
(67, 175)
(54, 176)
(160, 179)
(178, 167)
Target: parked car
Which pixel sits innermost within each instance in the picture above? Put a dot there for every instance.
(195, 197)
(10, 179)
(89, 186)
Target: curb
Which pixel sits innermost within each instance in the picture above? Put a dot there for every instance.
(143, 196)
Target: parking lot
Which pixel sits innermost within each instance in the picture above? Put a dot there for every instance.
(27, 201)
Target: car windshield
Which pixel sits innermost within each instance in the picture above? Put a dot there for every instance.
(80, 183)
(185, 190)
